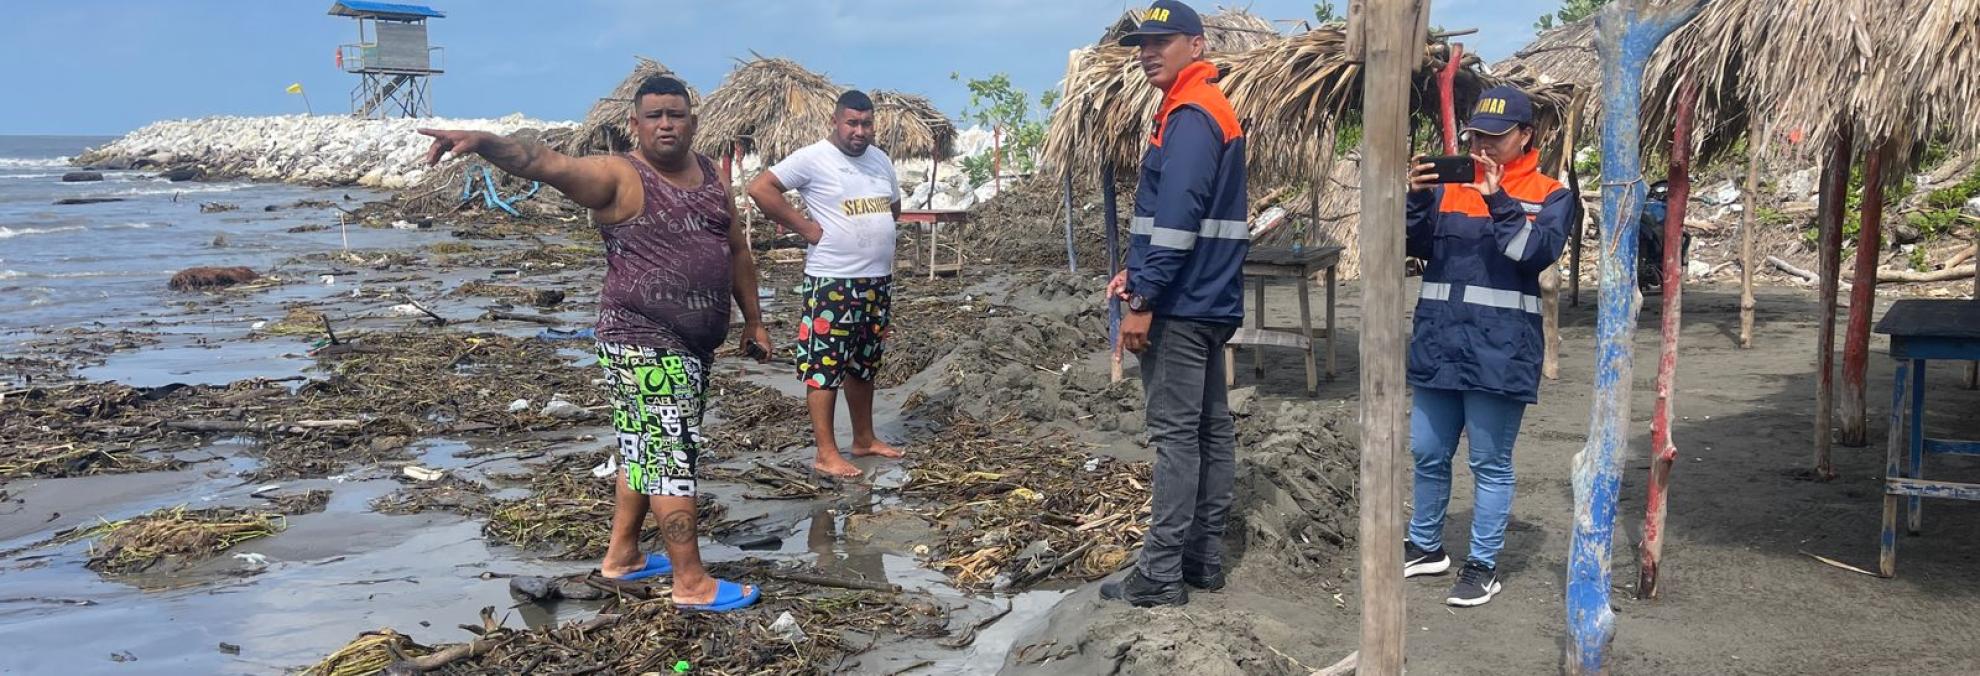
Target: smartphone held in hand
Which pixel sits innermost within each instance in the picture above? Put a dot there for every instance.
(1453, 168)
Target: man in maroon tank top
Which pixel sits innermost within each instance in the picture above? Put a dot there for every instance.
(675, 255)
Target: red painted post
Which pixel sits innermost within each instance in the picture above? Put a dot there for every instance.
(1663, 451)
(1446, 88)
(1862, 302)
(1835, 189)
(728, 166)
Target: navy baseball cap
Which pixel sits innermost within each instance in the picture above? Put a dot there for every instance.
(1499, 110)
(1165, 17)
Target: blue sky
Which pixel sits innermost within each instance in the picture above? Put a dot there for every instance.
(109, 66)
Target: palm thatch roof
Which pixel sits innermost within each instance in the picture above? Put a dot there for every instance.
(1892, 71)
(1290, 93)
(909, 126)
(607, 128)
(1227, 30)
(772, 106)
(1564, 56)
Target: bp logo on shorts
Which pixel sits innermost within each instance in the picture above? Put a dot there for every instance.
(663, 379)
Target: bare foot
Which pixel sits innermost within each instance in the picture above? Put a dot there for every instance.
(878, 447)
(617, 567)
(702, 595)
(830, 463)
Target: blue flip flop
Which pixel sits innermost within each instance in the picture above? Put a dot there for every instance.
(728, 596)
(656, 564)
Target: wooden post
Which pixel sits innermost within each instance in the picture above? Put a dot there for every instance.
(1111, 210)
(1754, 136)
(1628, 32)
(1388, 38)
(1863, 302)
(934, 170)
(1835, 189)
(1072, 257)
(1550, 279)
(997, 157)
(1663, 451)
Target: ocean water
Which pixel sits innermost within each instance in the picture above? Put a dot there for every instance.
(71, 265)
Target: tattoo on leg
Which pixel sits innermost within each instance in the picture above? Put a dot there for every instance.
(678, 527)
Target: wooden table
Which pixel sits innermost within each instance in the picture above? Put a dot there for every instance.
(1921, 331)
(934, 218)
(1262, 267)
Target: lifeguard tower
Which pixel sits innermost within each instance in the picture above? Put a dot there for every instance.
(392, 60)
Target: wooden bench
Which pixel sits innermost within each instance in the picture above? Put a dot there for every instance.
(1261, 268)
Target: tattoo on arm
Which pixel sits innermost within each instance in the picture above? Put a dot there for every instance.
(678, 527)
(512, 156)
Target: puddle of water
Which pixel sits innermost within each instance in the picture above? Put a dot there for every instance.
(441, 453)
(190, 363)
(329, 576)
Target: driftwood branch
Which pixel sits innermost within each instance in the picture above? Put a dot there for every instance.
(1789, 268)
(518, 317)
(824, 581)
(1946, 275)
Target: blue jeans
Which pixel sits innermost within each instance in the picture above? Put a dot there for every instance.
(1492, 422)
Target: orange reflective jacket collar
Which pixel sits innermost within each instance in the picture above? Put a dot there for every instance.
(1526, 164)
(1193, 87)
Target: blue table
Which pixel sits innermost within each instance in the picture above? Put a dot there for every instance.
(1921, 331)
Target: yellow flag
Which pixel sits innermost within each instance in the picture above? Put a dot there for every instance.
(295, 88)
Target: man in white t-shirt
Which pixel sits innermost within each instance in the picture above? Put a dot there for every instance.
(853, 199)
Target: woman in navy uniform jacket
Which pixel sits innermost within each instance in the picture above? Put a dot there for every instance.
(1475, 351)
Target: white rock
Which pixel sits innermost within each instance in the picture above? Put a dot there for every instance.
(405, 310)
(519, 406)
(332, 149)
(1798, 185)
(1973, 206)
(1698, 268)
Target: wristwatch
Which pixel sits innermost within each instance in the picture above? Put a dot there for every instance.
(1137, 303)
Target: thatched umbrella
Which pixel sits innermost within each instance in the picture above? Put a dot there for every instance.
(772, 107)
(606, 129)
(1562, 57)
(909, 126)
(1290, 92)
(1228, 30)
(1888, 76)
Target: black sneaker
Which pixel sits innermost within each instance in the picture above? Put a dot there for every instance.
(1476, 585)
(1142, 592)
(1206, 578)
(1418, 562)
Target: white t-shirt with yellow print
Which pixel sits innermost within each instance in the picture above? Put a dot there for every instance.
(852, 199)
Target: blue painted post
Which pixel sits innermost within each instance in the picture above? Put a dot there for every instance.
(1627, 37)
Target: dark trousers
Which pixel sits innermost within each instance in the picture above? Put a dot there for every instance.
(1189, 420)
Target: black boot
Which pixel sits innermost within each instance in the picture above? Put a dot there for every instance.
(1142, 592)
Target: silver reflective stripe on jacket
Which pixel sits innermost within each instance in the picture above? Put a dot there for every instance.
(1480, 295)
(1170, 238)
(1518, 246)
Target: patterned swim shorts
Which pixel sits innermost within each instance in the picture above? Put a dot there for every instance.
(658, 397)
(843, 330)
